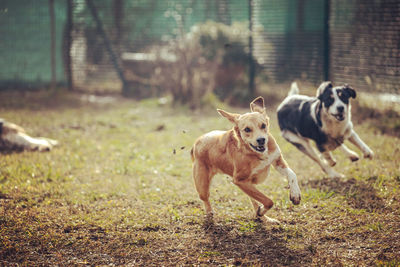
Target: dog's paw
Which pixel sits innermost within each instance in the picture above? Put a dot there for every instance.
(295, 196)
(43, 148)
(40, 148)
(354, 157)
(369, 154)
(334, 174)
(266, 219)
(271, 220)
(295, 199)
(261, 211)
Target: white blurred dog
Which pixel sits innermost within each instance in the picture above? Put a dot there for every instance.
(13, 137)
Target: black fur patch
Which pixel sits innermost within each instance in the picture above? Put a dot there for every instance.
(345, 92)
(327, 97)
(295, 116)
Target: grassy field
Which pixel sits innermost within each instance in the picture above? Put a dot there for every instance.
(118, 191)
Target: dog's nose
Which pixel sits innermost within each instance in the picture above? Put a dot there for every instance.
(340, 109)
(261, 141)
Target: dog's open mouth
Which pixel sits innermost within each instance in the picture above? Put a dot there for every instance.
(339, 117)
(258, 148)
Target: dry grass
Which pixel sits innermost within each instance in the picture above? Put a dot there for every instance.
(118, 191)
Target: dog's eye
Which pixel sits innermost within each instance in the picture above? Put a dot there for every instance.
(329, 101)
(247, 129)
(263, 126)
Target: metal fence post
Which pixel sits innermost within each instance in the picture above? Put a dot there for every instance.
(326, 40)
(53, 44)
(67, 46)
(108, 46)
(251, 62)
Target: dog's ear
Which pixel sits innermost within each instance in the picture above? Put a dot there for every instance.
(324, 86)
(257, 105)
(350, 91)
(230, 116)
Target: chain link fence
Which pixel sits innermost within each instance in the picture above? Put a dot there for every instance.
(289, 39)
(25, 42)
(193, 47)
(365, 44)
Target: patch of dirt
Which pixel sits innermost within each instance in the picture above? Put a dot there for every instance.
(359, 194)
(267, 245)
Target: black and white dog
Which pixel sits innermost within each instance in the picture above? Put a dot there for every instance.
(325, 119)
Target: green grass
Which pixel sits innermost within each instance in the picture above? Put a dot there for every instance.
(118, 190)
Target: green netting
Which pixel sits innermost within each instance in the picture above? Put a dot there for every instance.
(25, 41)
(289, 37)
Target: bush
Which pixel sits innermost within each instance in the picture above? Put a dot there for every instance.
(211, 58)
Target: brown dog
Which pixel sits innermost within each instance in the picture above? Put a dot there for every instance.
(245, 153)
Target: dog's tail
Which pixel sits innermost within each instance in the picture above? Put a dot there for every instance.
(294, 89)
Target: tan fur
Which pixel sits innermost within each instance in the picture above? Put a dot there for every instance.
(231, 152)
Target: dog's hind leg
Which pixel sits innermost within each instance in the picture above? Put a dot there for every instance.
(202, 180)
(304, 146)
(259, 209)
(254, 194)
(349, 153)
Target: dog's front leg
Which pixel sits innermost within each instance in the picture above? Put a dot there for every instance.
(349, 153)
(356, 140)
(282, 167)
(304, 146)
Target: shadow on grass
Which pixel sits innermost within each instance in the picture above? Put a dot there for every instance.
(260, 245)
(7, 151)
(359, 194)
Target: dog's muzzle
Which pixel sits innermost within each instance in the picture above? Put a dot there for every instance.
(339, 116)
(260, 147)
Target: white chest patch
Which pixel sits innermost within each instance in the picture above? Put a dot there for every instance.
(266, 162)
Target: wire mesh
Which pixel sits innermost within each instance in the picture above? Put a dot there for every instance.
(291, 40)
(25, 42)
(365, 44)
